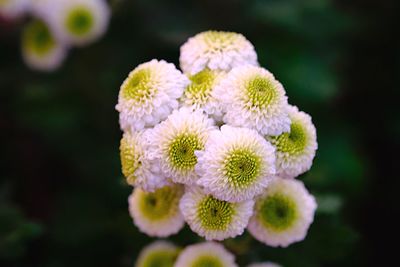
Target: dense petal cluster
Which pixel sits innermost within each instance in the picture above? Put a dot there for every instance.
(149, 94)
(208, 254)
(216, 50)
(212, 146)
(253, 98)
(212, 218)
(283, 213)
(236, 164)
(295, 150)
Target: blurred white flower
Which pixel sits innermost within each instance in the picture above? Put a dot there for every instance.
(40, 50)
(78, 22)
(216, 50)
(264, 264)
(11, 9)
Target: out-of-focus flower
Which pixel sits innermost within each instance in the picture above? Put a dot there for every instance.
(78, 22)
(40, 50)
(12, 9)
(157, 213)
(149, 94)
(253, 98)
(283, 213)
(216, 50)
(159, 253)
(236, 164)
(212, 218)
(208, 254)
(175, 140)
(295, 150)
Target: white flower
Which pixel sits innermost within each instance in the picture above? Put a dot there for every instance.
(236, 164)
(78, 22)
(212, 218)
(42, 8)
(253, 98)
(208, 254)
(175, 140)
(295, 150)
(12, 9)
(198, 94)
(283, 213)
(159, 253)
(157, 213)
(40, 50)
(138, 169)
(149, 94)
(216, 50)
(264, 264)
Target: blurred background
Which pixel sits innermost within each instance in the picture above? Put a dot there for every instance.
(63, 200)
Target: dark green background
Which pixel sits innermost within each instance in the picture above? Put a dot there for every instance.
(63, 200)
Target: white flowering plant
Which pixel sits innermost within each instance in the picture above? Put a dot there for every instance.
(216, 145)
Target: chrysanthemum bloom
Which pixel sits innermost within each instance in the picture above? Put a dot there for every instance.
(138, 169)
(79, 22)
(159, 253)
(212, 218)
(157, 213)
(216, 50)
(208, 254)
(253, 98)
(198, 94)
(149, 94)
(175, 140)
(295, 150)
(283, 213)
(236, 164)
(40, 50)
(11, 9)
(264, 264)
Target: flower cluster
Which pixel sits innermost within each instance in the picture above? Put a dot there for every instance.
(55, 27)
(216, 146)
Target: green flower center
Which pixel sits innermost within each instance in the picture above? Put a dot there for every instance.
(79, 20)
(278, 212)
(160, 204)
(200, 88)
(215, 214)
(138, 86)
(219, 40)
(181, 151)
(292, 142)
(37, 38)
(261, 92)
(160, 259)
(242, 167)
(129, 160)
(207, 261)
